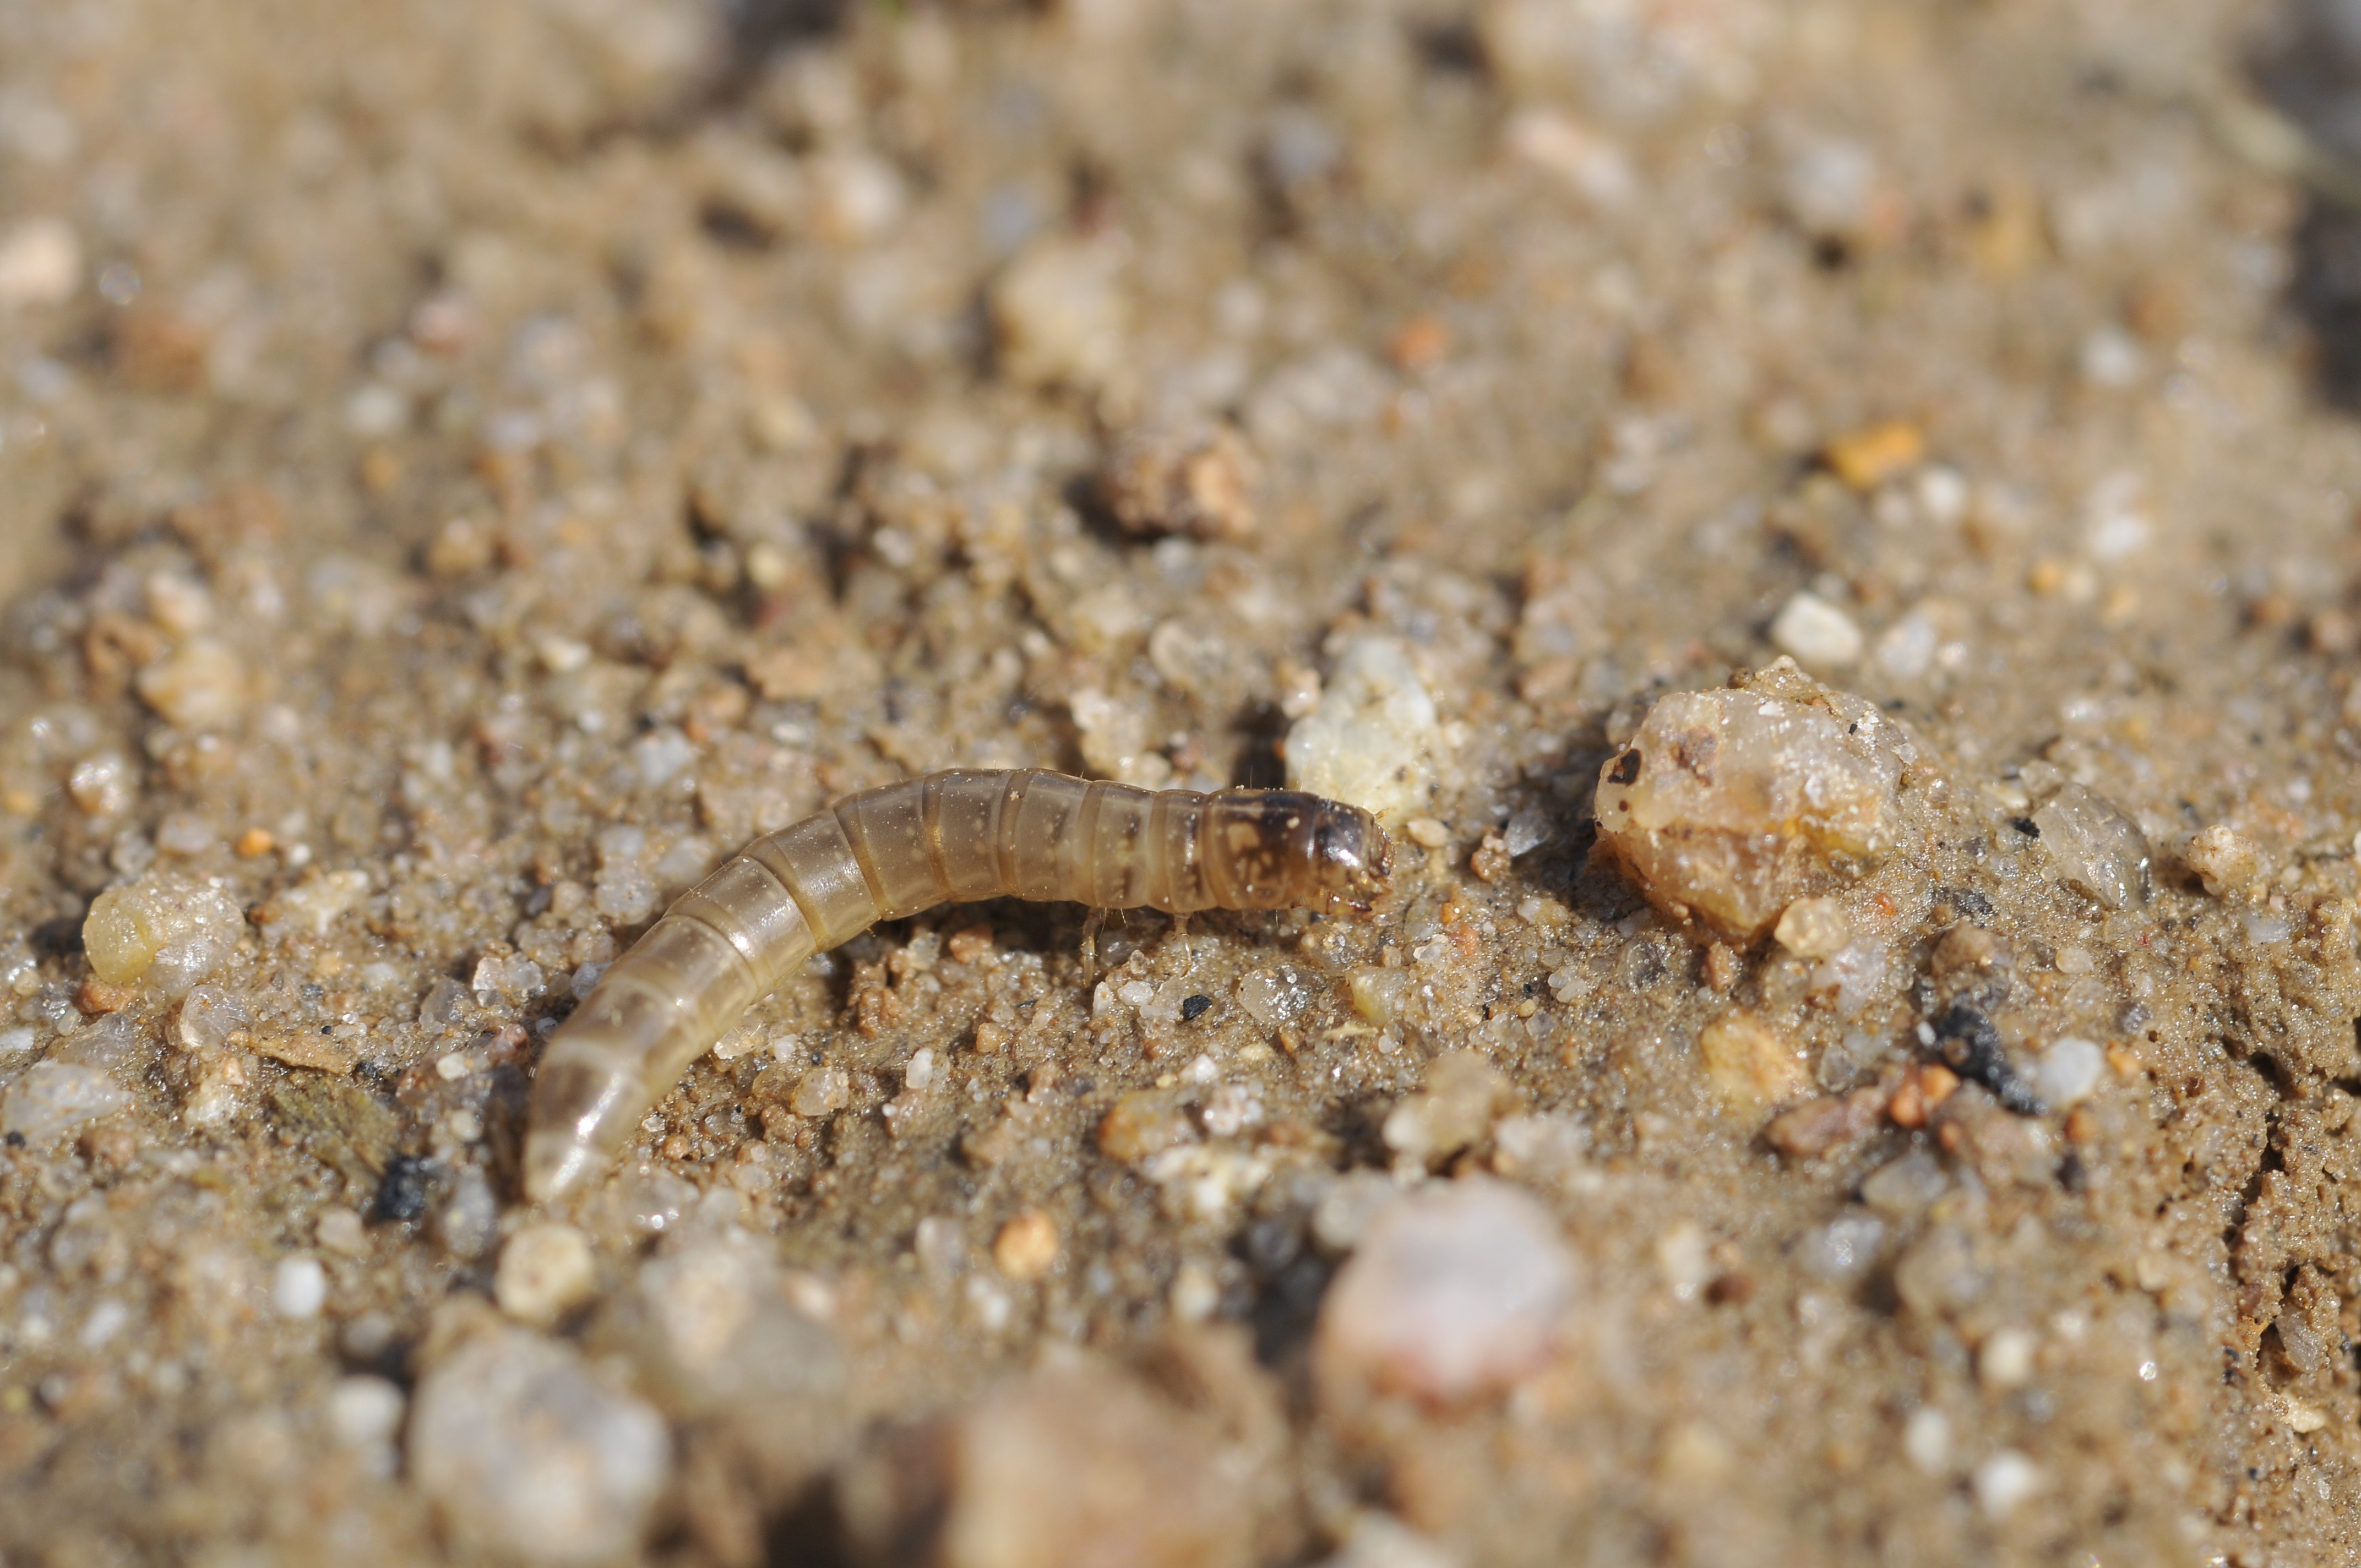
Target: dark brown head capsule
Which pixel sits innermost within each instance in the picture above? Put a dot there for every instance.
(1282, 849)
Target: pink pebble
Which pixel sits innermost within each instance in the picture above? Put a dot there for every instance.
(1456, 1293)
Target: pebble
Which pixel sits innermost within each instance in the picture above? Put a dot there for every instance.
(1456, 1292)
(1198, 482)
(1817, 633)
(1272, 996)
(469, 1220)
(2069, 1070)
(2095, 847)
(1926, 1440)
(364, 1416)
(313, 905)
(821, 1091)
(1727, 805)
(711, 1329)
(1060, 315)
(40, 264)
(1906, 1187)
(2005, 1360)
(340, 1229)
(1817, 1126)
(545, 1272)
(1347, 1205)
(1868, 457)
(1371, 740)
(1456, 1109)
(1073, 1463)
(55, 1097)
(201, 685)
(2003, 1481)
(2226, 861)
(525, 1454)
(1813, 928)
(1026, 1247)
(1749, 1064)
(299, 1289)
(163, 931)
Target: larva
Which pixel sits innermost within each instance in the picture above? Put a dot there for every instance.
(889, 852)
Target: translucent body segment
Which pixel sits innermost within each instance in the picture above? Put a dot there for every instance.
(1040, 836)
(1174, 849)
(747, 903)
(887, 830)
(1119, 869)
(892, 851)
(815, 860)
(963, 813)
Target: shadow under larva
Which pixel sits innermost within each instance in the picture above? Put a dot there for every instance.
(947, 837)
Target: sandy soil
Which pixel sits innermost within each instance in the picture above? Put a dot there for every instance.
(466, 468)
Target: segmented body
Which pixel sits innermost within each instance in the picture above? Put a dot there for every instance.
(890, 852)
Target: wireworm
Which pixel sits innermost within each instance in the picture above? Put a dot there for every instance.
(889, 852)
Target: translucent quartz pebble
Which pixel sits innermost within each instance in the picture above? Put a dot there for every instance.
(1730, 805)
(1370, 741)
(163, 931)
(526, 1455)
(1456, 1292)
(2095, 847)
(55, 1097)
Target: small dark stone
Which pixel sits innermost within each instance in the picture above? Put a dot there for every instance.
(1972, 905)
(402, 1195)
(1972, 1047)
(1194, 1007)
(2026, 826)
(14, 1140)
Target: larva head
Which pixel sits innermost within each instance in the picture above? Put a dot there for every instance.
(1282, 849)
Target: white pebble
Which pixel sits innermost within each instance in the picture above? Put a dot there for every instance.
(1370, 741)
(1816, 633)
(2003, 1481)
(1926, 1440)
(1454, 1292)
(920, 1073)
(41, 263)
(525, 1454)
(340, 1231)
(2069, 1072)
(15, 1042)
(2005, 1358)
(545, 1272)
(364, 1411)
(299, 1289)
(1195, 1293)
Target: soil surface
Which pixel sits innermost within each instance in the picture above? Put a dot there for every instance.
(467, 469)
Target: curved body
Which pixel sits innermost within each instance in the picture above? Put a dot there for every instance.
(889, 852)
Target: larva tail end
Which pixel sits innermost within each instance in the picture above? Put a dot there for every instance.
(583, 1110)
(554, 1165)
